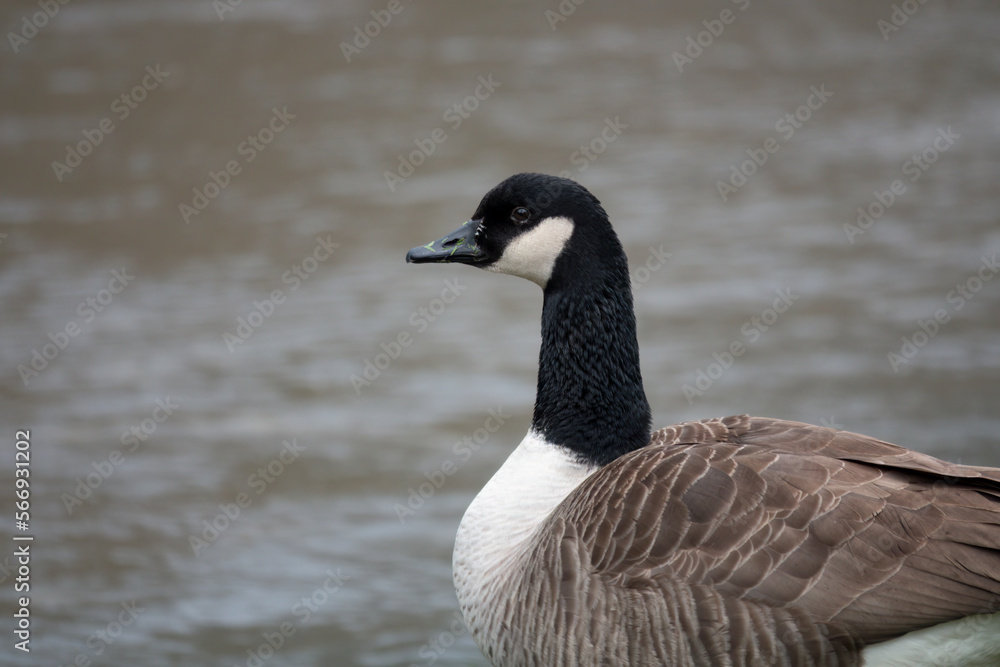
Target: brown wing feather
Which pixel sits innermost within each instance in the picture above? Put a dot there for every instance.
(759, 541)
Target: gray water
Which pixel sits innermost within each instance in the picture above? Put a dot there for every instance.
(324, 556)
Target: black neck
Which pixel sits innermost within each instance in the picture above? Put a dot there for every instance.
(590, 396)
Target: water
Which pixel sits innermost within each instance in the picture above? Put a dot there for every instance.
(322, 558)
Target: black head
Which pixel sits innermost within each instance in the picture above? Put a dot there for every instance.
(525, 225)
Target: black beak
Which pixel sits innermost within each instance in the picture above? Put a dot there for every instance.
(459, 246)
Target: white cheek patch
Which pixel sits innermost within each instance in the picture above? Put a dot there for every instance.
(533, 254)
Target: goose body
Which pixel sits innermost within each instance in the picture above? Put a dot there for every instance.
(733, 541)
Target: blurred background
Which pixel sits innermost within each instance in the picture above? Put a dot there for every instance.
(254, 428)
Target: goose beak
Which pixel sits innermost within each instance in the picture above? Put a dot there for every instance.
(459, 246)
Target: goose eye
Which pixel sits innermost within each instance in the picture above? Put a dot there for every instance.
(520, 214)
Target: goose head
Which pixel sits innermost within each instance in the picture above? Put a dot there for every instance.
(546, 229)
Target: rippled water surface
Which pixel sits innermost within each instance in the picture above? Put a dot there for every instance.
(200, 359)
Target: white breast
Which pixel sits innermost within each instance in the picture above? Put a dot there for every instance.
(501, 520)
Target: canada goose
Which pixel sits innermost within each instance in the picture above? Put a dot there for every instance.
(734, 541)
